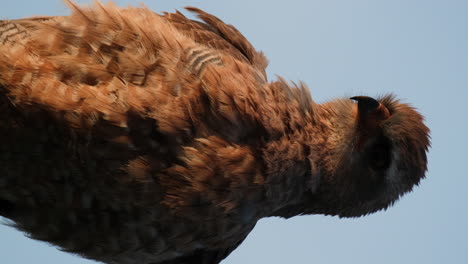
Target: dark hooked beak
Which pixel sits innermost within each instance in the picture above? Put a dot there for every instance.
(370, 114)
(370, 109)
(366, 104)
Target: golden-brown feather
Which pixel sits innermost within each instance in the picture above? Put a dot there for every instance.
(129, 136)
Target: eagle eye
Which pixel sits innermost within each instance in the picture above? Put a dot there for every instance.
(380, 155)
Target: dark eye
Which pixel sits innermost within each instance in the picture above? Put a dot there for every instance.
(379, 156)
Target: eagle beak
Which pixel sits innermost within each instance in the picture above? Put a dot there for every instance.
(366, 103)
(370, 113)
(370, 109)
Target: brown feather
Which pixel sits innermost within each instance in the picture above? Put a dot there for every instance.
(129, 136)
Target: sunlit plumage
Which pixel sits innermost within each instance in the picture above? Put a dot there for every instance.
(133, 137)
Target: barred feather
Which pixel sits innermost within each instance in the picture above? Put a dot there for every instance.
(134, 137)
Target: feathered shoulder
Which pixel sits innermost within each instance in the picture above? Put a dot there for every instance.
(98, 63)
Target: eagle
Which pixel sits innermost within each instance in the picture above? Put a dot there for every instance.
(129, 136)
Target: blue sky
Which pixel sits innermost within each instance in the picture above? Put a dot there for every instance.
(415, 49)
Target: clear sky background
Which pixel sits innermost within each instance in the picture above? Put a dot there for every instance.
(417, 49)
